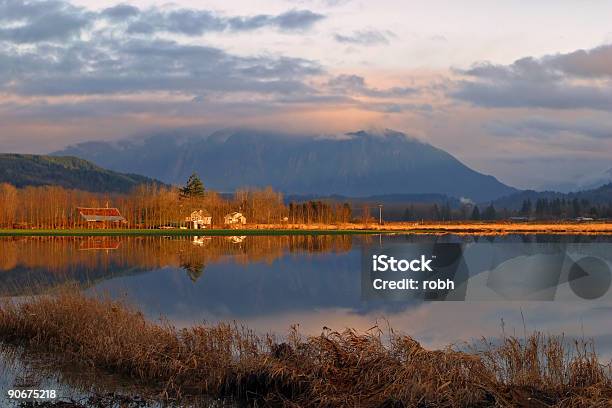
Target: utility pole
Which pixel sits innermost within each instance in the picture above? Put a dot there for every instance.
(380, 206)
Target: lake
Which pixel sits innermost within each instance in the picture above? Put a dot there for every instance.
(270, 283)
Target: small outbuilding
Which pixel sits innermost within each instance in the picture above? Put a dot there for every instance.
(234, 218)
(199, 219)
(583, 219)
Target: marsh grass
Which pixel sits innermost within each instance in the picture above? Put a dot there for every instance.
(494, 228)
(372, 369)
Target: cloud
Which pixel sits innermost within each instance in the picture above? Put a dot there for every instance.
(538, 127)
(35, 21)
(530, 94)
(120, 12)
(198, 22)
(109, 66)
(324, 3)
(116, 57)
(56, 20)
(593, 63)
(297, 19)
(128, 67)
(577, 80)
(356, 84)
(365, 37)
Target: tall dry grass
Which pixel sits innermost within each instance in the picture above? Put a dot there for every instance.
(333, 369)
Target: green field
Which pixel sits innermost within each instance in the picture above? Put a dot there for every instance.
(178, 232)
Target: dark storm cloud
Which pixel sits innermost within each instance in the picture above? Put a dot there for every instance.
(366, 37)
(577, 80)
(356, 84)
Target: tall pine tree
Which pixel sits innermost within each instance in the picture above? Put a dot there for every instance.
(476, 214)
(193, 188)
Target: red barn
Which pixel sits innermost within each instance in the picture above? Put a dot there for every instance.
(101, 215)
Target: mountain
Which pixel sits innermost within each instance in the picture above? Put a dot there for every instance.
(355, 164)
(23, 170)
(600, 195)
(600, 179)
(586, 182)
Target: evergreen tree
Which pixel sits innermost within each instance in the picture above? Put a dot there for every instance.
(193, 188)
(446, 212)
(576, 210)
(556, 208)
(347, 212)
(489, 213)
(526, 208)
(539, 209)
(476, 213)
(409, 213)
(435, 212)
(194, 269)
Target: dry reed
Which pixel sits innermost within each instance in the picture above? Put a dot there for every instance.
(333, 369)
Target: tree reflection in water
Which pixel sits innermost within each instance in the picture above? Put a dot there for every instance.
(38, 264)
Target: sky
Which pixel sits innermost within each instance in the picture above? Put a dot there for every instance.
(520, 90)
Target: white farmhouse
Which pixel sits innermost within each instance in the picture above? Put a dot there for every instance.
(199, 219)
(234, 218)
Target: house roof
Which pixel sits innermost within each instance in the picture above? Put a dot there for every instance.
(203, 211)
(100, 214)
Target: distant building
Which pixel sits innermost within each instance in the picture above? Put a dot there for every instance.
(234, 218)
(199, 219)
(101, 216)
(519, 219)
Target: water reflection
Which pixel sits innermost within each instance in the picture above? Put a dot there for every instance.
(30, 265)
(272, 282)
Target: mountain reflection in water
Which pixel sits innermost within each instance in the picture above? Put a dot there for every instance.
(272, 282)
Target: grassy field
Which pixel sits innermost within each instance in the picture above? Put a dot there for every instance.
(372, 369)
(179, 232)
(461, 228)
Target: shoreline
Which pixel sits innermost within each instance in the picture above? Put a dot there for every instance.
(372, 368)
(457, 228)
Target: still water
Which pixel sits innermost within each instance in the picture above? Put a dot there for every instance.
(272, 282)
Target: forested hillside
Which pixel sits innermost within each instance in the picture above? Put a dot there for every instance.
(23, 170)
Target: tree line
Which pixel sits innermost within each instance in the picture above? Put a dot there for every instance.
(561, 208)
(150, 206)
(541, 209)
